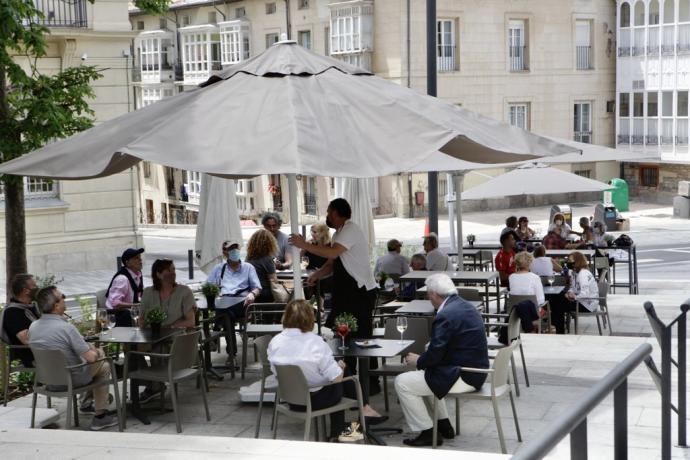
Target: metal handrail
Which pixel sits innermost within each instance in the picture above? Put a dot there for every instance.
(574, 420)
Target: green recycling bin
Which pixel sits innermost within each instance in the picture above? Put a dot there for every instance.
(618, 195)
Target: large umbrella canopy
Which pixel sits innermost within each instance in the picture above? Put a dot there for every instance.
(218, 220)
(533, 179)
(288, 110)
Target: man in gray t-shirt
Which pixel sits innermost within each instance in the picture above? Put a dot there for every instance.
(271, 222)
(52, 332)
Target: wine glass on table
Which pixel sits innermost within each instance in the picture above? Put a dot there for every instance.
(551, 280)
(401, 325)
(304, 262)
(111, 320)
(102, 320)
(342, 330)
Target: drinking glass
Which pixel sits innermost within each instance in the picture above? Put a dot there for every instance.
(111, 320)
(135, 315)
(102, 319)
(551, 279)
(401, 325)
(304, 262)
(342, 330)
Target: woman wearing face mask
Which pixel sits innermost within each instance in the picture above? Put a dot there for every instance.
(560, 227)
(176, 300)
(599, 234)
(583, 289)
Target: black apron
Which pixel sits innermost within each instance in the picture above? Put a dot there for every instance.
(350, 298)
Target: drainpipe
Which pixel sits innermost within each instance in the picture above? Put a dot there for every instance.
(409, 47)
(432, 185)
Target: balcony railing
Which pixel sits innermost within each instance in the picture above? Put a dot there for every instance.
(583, 57)
(668, 45)
(637, 139)
(61, 13)
(666, 140)
(518, 58)
(652, 139)
(445, 58)
(624, 139)
(583, 136)
(681, 140)
(653, 40)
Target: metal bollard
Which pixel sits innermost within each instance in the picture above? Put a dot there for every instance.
(190, 261)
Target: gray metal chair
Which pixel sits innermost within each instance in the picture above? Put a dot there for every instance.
(486, 260)
(53, 378)
(496, 388)
(514, 327)
(260, 319)
(469, 294)
(8, 368)
(417, 330)
(293, 389)
(603, 311)
(261, 347)
(182, 363)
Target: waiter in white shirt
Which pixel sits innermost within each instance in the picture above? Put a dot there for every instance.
(348, 262)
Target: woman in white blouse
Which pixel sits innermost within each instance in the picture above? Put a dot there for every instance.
(298, 345)
(542, 265)
(524, 282)
(560, 227)
(583, 292)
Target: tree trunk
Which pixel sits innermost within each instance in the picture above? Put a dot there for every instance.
(15, 229)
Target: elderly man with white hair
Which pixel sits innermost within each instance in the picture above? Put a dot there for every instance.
(458, 339)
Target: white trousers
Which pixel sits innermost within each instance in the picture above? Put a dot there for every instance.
(412, 390)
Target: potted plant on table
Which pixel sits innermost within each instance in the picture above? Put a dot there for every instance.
(210, 291)
(154, 319)
(344, 324)
(471, 239)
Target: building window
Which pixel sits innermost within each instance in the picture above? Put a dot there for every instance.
(583, 122)
(193, 186)
(150, 96)
(351, 27)
(146, 166)
(624, 118)
(584, 173)
(270, 8)
(682, 118)
(583, 45)
(667, 117)
(518, 115)
(200, 53)
(186, 20)
(649, 176)
(140, 25)
(212, 17)
(517, 45)
(638, 119)
(240, 12)
(652, 115)
(327, 41)
(303, 4)
(304, 38)
(445, 45)
(234, 41)
(310, 195)
(152, 51)
(271, 39)
(162, 23)
(35, 188)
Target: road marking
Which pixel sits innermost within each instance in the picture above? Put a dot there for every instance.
(682, 251)
(682, 248)
(642, 261)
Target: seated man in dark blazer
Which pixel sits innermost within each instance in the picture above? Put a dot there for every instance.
(458, 339)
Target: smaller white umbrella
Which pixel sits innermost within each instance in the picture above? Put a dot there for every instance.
(533, 179)
(218, 220)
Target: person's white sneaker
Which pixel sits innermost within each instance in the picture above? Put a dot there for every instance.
(103, 422)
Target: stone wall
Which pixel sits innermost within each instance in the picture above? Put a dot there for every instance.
(669, 176)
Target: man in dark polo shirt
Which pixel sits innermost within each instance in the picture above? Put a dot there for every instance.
(18, 315)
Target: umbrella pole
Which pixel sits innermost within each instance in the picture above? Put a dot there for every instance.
(458, 179)
(451, 211)
(294, 229)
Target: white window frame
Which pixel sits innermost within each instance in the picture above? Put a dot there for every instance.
(446, 45)
(193, 186)
(517, 45)
(272, 38)
(36, 188)
(234, 41)
(150, 95)
(582, 121)
(519, 115)
(198, 44)
(583, 44)
(301, 34)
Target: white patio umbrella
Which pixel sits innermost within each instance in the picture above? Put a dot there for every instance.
(218, 220)
(533, 179)
(356, 192)
(287, 111)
